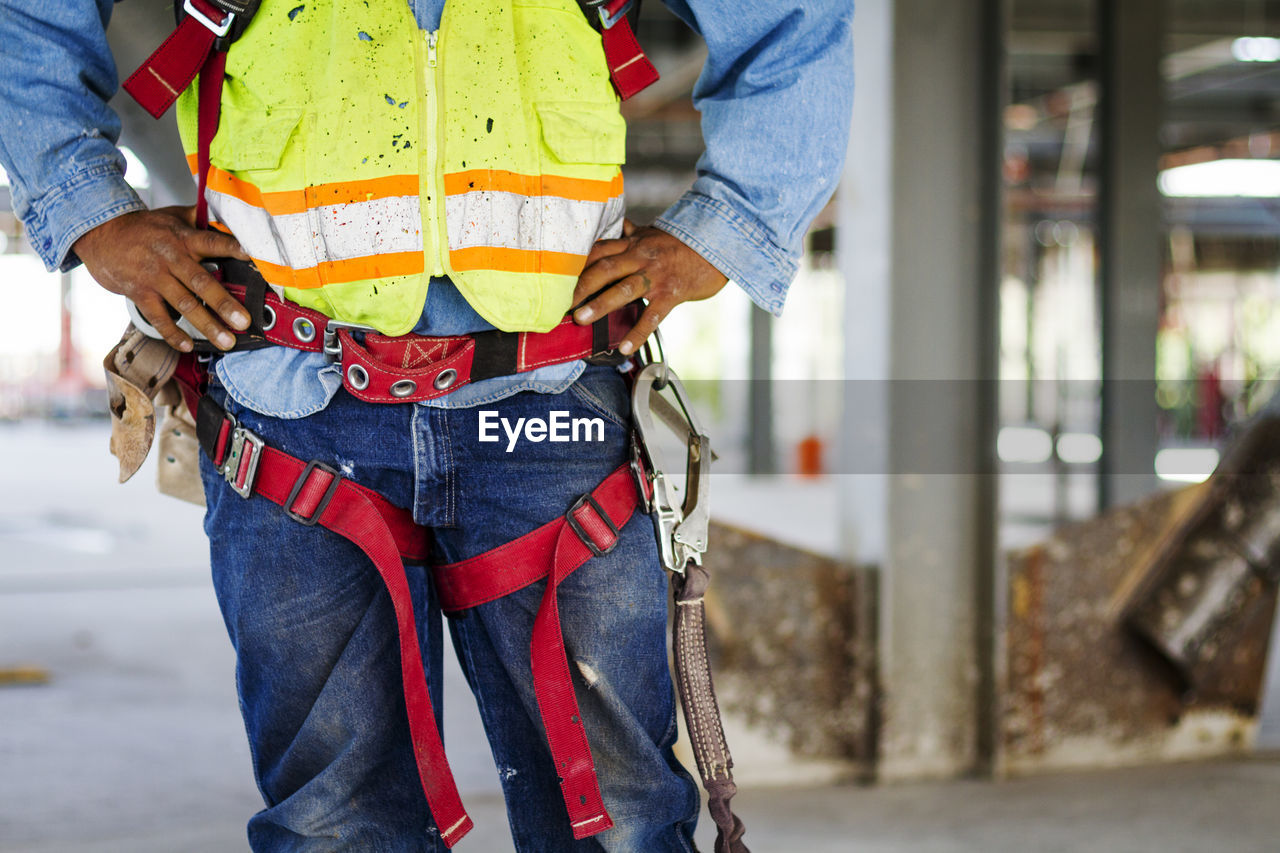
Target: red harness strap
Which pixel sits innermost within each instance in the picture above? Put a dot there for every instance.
(314, 493)
(171, 67)
(630, 70)
(553, 551)
(174, 64)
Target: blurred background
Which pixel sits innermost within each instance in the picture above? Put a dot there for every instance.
(998, 498)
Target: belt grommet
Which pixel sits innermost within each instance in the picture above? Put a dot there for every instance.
(269, 318)
(357, 377)
(304, 330)
(403, 388)
(445, 378)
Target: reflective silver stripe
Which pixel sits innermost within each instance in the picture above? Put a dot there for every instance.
(394, 225)
(380, 226)
(532, 223)
(336, 232)
(266, 237)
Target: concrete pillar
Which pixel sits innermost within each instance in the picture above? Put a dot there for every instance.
(761, 453)
(918, 328)
(1131, 228)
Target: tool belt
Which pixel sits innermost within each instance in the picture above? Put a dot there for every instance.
(382, 369)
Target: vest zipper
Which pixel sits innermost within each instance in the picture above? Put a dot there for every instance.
(433, 219)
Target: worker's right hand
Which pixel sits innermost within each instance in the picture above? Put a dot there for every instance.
(153, 258)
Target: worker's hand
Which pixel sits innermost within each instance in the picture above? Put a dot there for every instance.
(644, 262)
(153, 257)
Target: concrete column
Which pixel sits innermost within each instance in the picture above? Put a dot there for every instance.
(761, 458)
(918, 309)
(1131, 228)
(865, 210)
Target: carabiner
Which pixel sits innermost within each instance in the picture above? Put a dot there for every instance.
(681, 529)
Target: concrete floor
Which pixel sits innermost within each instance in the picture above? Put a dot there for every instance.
(136, 746)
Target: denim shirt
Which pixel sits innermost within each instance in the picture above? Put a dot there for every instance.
(759, 183)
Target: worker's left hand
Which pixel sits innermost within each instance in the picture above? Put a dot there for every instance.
(643, 262)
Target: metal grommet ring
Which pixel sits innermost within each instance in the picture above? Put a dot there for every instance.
(404, 388)
(445, 378)
(268, 318)
(304, 330)
(358, 377)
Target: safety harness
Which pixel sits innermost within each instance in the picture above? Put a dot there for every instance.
(382, 369)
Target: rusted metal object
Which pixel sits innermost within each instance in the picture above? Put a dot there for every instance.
(1213, 573)
(1081, 689)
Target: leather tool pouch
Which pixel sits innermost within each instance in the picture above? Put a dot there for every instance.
(140, 385)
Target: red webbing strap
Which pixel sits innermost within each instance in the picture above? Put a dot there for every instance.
(630, 70)
(174, 64)
(208, 116)
(553, 551)
(384, 533)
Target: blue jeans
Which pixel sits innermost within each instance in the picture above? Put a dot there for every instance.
(318, 670)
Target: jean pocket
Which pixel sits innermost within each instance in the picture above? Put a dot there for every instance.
(603, 390)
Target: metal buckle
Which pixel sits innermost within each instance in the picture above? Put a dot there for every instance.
(230, 467)
(219, 30)
(576, 526)
(314, 518)
(332, 343)
(607, 21)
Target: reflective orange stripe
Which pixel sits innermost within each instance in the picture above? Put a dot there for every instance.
(496, 180)
(456, 183)
(356, 191)
(298, 201)
(340, 272)
(516, 260)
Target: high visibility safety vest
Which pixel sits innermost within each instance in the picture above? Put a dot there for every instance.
(357, 156)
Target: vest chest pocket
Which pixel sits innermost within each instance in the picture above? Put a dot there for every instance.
(253, 140)
(583, 132)
(255, 186)
(583, 144)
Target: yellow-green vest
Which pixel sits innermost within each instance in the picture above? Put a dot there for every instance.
(357, 156)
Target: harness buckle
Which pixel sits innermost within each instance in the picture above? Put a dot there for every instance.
(218, 29)
(332, 343)
(314, 518)
(236, 455)
(587, 539)
(607, 20)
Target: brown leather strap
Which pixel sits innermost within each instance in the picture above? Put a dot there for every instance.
(701, 711)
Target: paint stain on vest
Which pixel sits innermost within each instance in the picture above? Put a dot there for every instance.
(489, 126)
(295, 11)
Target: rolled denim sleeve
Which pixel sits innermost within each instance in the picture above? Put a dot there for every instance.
(57, 134)
(776, 97)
